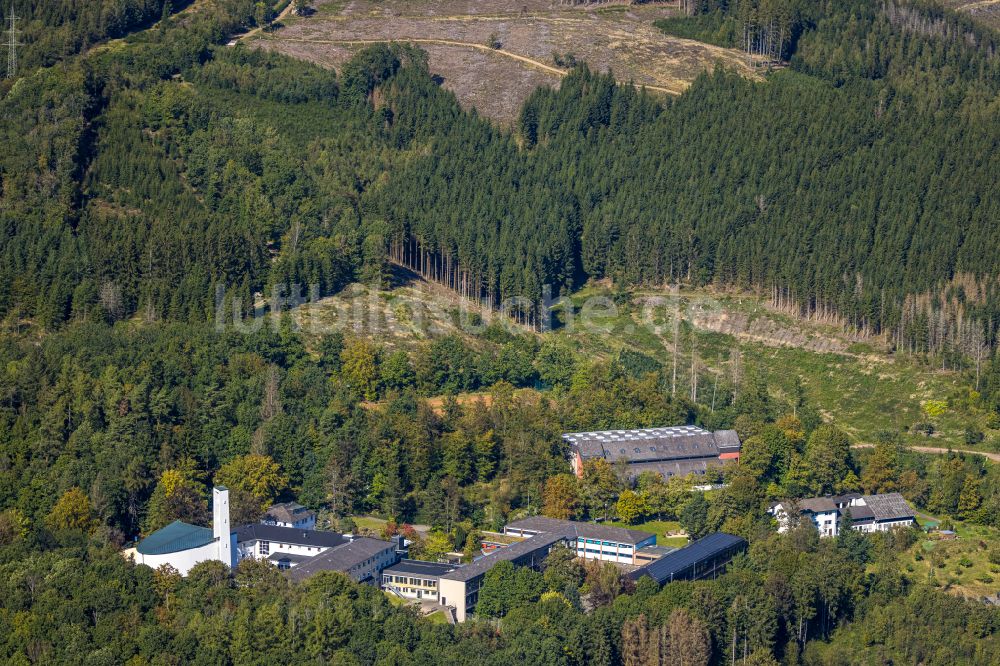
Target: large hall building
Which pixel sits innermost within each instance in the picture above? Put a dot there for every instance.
(670, 451)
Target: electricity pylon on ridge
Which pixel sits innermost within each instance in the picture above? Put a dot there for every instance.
(12, 44)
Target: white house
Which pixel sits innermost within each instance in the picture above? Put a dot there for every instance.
(868, 513)
(286, 547)
(290, 514)
(182, 545)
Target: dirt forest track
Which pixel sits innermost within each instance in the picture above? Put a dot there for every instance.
(447, 42)
(994, 457)
(493, 53)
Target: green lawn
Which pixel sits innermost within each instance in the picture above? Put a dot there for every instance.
(437, 617)
(859, 388)
(369, 523)
(394, 600)
(961, 565)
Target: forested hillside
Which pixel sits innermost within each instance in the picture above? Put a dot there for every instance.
(854, 185)
(51, 30)
(139, 177)
(108, 432)
(883, 219)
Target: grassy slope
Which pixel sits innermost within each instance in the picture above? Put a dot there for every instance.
(853, 385)
(850, 381)
(960, 566)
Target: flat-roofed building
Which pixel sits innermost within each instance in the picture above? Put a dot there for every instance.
(459, 589)
(670, 451)
(591, 541)
(415, 579)
(651, 554)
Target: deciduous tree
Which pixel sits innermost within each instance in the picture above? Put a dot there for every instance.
(72, 512)
(560, 498)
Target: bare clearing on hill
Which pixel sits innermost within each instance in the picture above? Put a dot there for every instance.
(986, 12)
(407, 314)
(527, 33)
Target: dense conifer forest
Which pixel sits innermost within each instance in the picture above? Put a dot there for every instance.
(883, 220)
(823, 186)
(51, 30)
(139, 175)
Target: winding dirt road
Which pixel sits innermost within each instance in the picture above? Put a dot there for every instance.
(447, 42)
(995, 457)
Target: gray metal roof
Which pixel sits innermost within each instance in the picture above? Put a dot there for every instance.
(727, 441)
(859, 512)
(341, 558)
(512, 552)
(289, 557)
(288, 512)
(669, 566)
(890, 506)
(547, 525)
(817, 504)
(654, 444)
(670, 468)
(656, 550)
(293, 535)
(641, 433)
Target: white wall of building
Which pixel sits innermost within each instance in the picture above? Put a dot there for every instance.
(372, 567)
(594, 549)
(307, 523)
(887, 526)
(220, 526)
(827, 523)
(261, 549)
(605, 551)
(453, 594)
(412, 586)
(182, 560)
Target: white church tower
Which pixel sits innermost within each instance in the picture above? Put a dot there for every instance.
(220, 525)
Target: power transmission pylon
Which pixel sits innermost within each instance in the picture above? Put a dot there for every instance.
(12, 44)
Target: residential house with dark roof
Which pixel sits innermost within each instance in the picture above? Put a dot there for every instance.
(671, 451)
(868, 513)
(591, 541)
(290, 514)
